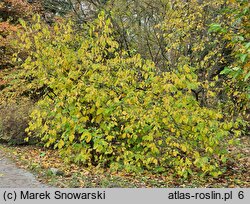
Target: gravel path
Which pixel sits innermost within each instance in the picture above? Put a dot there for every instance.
(13, 177)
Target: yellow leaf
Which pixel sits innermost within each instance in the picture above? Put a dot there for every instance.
(86, 134)
(71, 137)
(160, 142)
(109, 137)
(175, 153)
(124, 135)
(98, 118)
(99, 111)
(183, 148)
(88, 138)
(60, 144)
(168, 140)
(186, 68)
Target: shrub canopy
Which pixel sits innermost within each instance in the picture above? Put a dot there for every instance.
(100, 106)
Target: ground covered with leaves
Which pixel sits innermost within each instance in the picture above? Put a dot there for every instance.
(51, 169)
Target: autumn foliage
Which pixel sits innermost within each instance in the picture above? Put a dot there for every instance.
(102, 104)
(102, 107)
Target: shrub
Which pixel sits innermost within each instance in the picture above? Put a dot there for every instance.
(102, 107)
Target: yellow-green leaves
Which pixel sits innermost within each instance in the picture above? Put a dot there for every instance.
(100, 106)
(60, 144)
(86, 136)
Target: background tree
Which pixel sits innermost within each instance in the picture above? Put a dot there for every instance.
(237, 35)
